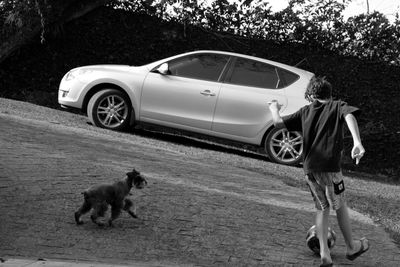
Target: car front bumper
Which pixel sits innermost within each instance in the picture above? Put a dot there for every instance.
(70, 93)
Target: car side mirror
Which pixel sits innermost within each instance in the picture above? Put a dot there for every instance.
(163, 69)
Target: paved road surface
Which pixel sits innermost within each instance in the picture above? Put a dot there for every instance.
(196, 211)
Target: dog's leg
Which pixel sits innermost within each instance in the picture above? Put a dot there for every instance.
(115, 211)
(128, 204)
(99, 210)
(102, 209)
(86, 206)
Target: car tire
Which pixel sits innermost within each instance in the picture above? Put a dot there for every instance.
(110, 109)
(284, 147)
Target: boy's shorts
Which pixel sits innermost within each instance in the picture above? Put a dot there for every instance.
(327, 189)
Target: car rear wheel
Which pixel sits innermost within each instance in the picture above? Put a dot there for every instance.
(110, 109)
(284, 147)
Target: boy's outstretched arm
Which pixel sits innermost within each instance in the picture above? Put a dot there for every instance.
(274, 107)
(358, 150)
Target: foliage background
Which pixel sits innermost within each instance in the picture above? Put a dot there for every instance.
(361, 62)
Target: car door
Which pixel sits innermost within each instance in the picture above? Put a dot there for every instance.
(187, 95)
(242, 107)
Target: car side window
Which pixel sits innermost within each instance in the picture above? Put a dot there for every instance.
(200, 66)
(286, 78)
(253, 73)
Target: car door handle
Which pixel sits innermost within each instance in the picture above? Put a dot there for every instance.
(207, 92)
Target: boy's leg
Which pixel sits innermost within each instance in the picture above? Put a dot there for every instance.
(354, 248)
(345, 226)
(322, 223)
(337, 198)
(342, 215)
(317, 189)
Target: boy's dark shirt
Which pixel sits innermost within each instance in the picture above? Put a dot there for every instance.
(321, 125)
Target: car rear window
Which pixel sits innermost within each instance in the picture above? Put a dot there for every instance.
(286, 78)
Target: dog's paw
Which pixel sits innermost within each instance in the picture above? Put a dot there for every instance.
(78, 219)
(132, 214)
(98, 221)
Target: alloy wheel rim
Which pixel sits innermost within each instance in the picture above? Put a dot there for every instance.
(112, 111)
(286, 146)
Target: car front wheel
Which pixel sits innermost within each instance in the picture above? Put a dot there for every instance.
(110, 109)
(284, 147)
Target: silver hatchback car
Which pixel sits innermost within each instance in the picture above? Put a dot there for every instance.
(216, 93)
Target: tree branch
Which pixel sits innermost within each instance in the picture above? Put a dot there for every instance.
(61, 12)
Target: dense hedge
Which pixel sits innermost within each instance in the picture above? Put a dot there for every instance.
(315, 23)
(115, 36)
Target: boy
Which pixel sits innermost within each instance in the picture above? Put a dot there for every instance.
(321, 124)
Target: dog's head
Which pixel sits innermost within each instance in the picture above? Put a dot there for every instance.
(134, 178)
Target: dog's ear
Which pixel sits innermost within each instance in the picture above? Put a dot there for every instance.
(133, 173)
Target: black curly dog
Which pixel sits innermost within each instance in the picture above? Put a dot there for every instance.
(99, 197)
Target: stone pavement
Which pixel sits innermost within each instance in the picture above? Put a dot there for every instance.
(58, 263)
(194, 212)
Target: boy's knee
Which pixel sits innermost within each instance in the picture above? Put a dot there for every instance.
(321, 205)
(338, 201)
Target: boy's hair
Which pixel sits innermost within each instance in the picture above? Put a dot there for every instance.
(319, 88)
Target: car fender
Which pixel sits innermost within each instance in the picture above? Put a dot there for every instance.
(264, 133)
(132, 88)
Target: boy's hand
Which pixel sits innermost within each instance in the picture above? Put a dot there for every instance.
(357, 152)
(274, 106)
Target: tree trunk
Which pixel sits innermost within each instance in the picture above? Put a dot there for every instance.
(61, 11)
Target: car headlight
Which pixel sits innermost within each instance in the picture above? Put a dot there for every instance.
(72, 74)
(69, 76)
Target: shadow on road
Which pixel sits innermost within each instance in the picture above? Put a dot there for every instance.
(199, 141)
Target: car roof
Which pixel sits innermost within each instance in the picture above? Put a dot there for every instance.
(275, 63)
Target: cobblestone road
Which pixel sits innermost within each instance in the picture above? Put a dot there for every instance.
(194, 211)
